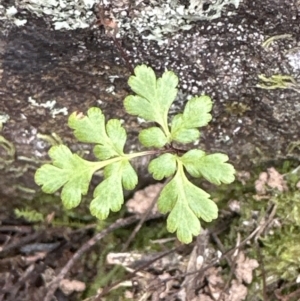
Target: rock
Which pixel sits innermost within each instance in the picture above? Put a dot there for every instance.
(56, 63)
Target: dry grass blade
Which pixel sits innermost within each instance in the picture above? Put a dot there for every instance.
(122, 222)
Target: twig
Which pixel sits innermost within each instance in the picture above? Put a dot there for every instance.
(123, 54)
(230, 263)
(111, 29)
(131, 275)
(21, 242)
(254, 234)
(122, 222)
(19, 229)
(263, 272)
(287, 297)
(142, 220)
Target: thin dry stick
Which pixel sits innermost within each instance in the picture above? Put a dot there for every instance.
(19, 229)
(263, 272)
(229, 261)
(131, 275)
(122, 222)
(111, 28)
(143, 219)
(288, 297)
(123, 54)
(22, 241)
(217, 260)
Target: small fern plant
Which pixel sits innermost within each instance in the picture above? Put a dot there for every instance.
(184, 201)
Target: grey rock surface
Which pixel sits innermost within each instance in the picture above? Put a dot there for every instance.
(52, 64)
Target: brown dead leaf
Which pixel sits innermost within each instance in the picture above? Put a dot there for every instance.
(243, 176)
(160, 287)
(237, 292)
(128, 295)
(50, 217)
(270, 179)
(214, 278)
(245, 267)
(69, 286)
(215, 282)
(143, 199)
(37, 256)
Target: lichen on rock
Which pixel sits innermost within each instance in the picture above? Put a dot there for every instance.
(160, 18)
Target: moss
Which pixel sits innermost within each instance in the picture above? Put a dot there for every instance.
(283, 243)
(236, 108)
(277, 248)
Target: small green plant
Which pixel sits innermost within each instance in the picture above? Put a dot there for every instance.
(29, 215)
(184, 201)
(278, 81)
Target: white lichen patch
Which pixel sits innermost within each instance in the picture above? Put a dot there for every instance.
(61, 14)
(157, 19)
(154, 20)
(11, 11)
(293, 57)
(3, 117)
(58, 111)
(50, 105)
(8, 15)
(110, 89)
(19, 22)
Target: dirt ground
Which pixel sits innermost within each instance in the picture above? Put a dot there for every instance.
(249, 253)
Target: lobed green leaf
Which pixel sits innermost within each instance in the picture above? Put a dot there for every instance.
(189, 225)
(154, 97)
(113, 141)
(196, 112)
(108, 195)
(90, 128)
(110, 140)
(117, 135)
(68, 171)
(181, 133)
(162, 167)
(153, 137)
(184, 127)
(186, 203)
(212, 167)
(190, 159)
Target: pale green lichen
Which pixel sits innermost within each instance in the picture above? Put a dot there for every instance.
(278, 81)
(10, 151)
(267, 43)
(52, 139)
(154, 20)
